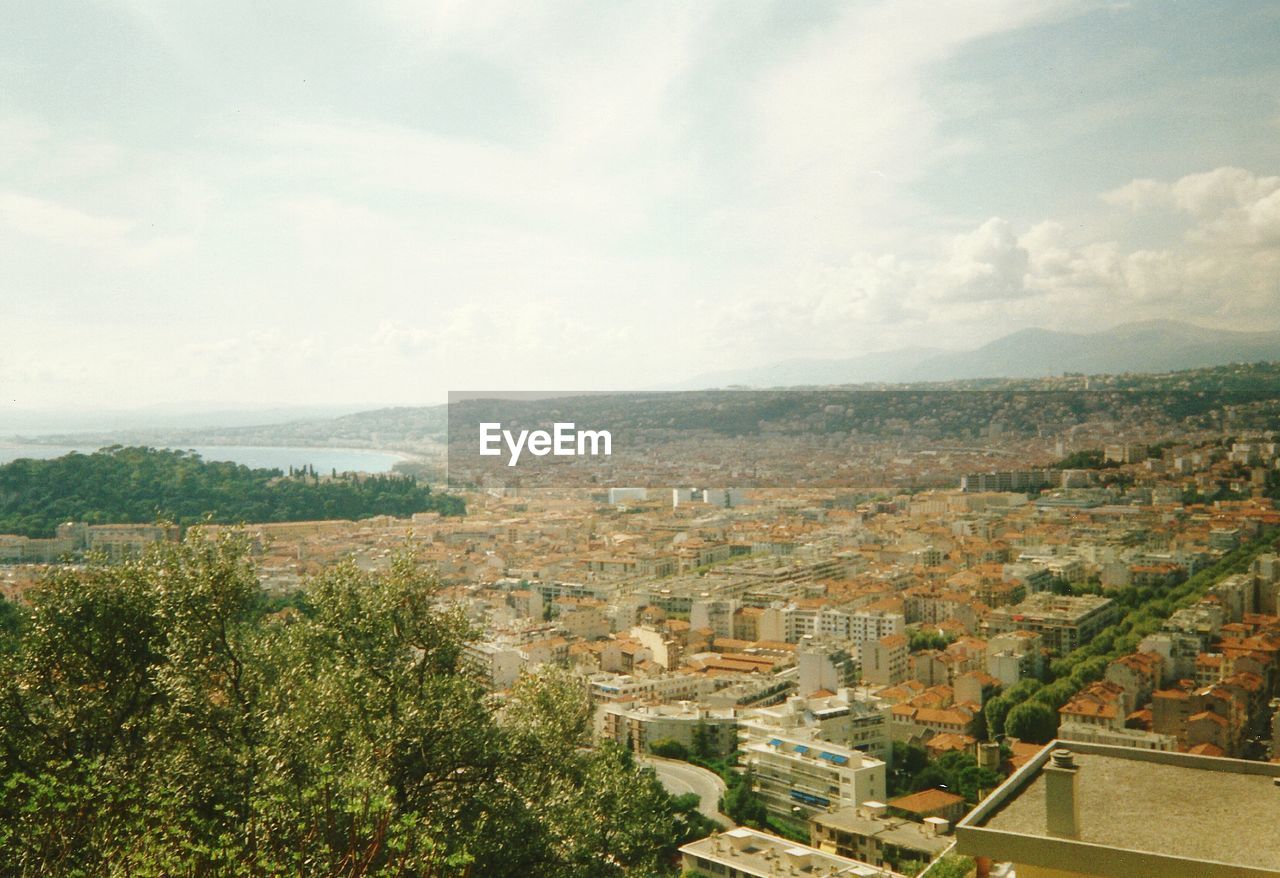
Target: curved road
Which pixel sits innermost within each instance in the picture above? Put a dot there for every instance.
(681, 777)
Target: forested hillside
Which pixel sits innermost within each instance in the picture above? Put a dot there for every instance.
(139, 485)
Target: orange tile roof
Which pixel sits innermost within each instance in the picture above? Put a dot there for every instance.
(926, 801)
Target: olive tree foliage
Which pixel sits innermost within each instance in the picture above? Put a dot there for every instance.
(155, 721)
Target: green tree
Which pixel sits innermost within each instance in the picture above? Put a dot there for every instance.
(743, 804)
(703, 746)
(996, 710)
(927, 640)
(669, 749)
(909, 759)
(155, 721)
(1032, 721)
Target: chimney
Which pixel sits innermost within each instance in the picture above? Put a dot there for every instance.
(1062, 805)
(936, 826)
(798, 857)
(872, 808)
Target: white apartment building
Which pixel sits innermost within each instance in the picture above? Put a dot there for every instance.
(799, 774)
(716, 614)
(824, 665)
(497, 666)
(791, 622)
(1014, 656)
(606, 687)
(850, 718)
(884, 661)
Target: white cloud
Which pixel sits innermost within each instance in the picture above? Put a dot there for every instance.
(844, 126)
(50, 221)
(987, 263)
(1222, 268)
(1203, 196)
(670, 188)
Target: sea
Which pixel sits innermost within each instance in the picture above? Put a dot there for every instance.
(323, 460)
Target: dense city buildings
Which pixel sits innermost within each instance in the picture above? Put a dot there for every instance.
(848, 654)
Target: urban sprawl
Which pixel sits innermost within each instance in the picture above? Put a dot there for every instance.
(832, 645)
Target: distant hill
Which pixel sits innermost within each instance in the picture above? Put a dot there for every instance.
(1148, 347)
(1153, 346)
(1155, 356)
(406, 428)
(886, 368)
(117, 422)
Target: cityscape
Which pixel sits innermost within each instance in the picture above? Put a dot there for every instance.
(553, 439)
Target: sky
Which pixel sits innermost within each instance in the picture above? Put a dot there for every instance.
(294, 203)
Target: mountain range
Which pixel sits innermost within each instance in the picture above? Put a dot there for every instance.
(1152, 346)
(1149, 348)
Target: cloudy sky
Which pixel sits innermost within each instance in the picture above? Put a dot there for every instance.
(249, 203)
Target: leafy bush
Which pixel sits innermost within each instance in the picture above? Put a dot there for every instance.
(670, 749)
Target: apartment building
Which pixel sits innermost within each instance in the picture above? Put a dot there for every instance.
(825, 665)
(799, 775)
(639, 726)
(1101, 703)
(850, 718)
(885, 661)
(1014, 656)
(495, 665)
(792, 622)
(1063, 622)
(1138, 673)
(678, 686)
(1023, 481)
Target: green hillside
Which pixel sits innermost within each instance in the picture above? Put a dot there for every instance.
(138, 485)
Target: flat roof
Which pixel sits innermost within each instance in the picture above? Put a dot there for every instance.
(752, 852)
(1140, 810)
(896, 831)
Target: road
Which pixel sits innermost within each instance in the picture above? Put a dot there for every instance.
(681, 777)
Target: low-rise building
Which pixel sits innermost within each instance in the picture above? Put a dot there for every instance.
(870, 834)
(1092, 733)
(638, 727)
(748, 853)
